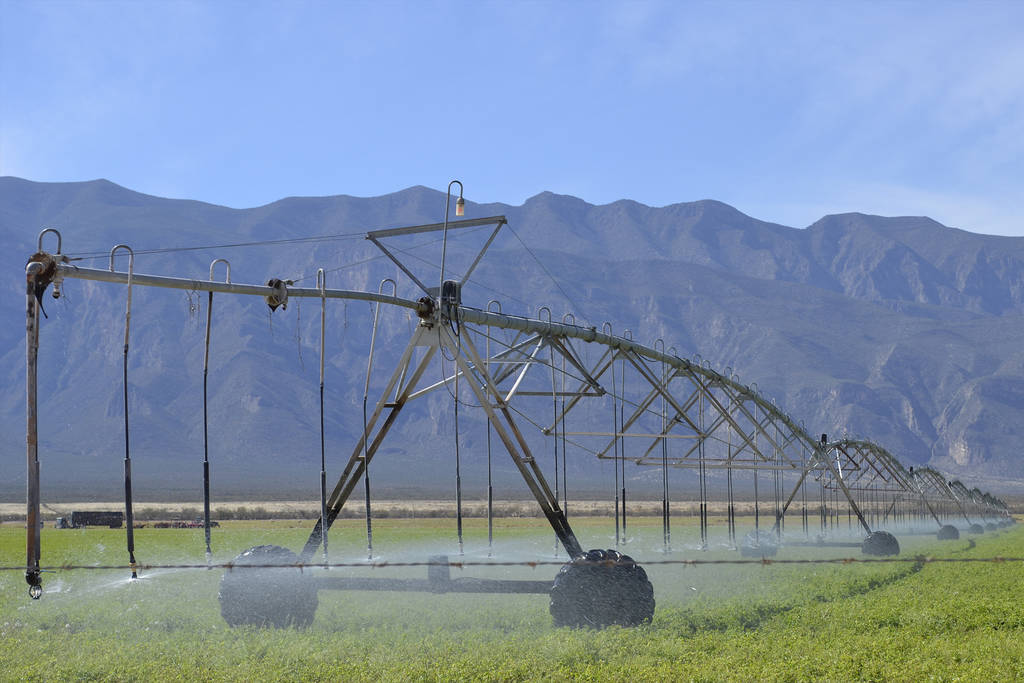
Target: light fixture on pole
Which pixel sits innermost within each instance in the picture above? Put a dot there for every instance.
(460, 209)
(448, 302)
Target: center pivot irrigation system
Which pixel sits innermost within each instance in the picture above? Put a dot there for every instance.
(544, 389)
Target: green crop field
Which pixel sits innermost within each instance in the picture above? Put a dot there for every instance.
(858, 621)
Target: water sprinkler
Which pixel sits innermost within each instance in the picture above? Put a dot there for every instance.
(35, 591)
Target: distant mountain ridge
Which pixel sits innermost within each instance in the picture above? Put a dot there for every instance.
(897, 329)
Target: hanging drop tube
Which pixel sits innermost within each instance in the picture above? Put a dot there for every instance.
(33, 272)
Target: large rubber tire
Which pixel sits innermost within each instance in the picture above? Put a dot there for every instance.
(948, 533)
(976, 529)
(602, 588)
(278, 597)
(881, 544)
(759, 544)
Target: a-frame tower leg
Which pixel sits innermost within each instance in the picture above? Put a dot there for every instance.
(361, 455)
(431, 337)
(500, 418)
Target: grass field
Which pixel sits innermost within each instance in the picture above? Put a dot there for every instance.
(884, 621)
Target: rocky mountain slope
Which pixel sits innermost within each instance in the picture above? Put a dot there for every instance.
(897, 329)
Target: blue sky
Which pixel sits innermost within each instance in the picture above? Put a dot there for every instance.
(787, 111)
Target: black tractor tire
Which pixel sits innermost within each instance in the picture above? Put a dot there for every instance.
(759, 544)
(280, 597)
(881, 544)
(949, 533)
(600, 589)
(976, 529)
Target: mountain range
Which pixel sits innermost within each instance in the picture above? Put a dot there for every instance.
(900, 330)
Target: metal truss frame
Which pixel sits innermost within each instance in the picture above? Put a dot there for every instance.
(662, 402)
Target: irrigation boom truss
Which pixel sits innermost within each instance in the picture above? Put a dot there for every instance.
(667, 411)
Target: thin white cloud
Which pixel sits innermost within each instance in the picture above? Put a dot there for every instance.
(953, 75)
(762, 105)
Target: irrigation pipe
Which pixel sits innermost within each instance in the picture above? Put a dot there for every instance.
(764, 562)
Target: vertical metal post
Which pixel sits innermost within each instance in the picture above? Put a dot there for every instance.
(849, 517)
(778, 481)
(515, 443)
(868, 503)
(554, 422)
(665, 531)
(366, 392)
(565, 451)
(702, 476)
(490, 480)
(835, 506)
(615, 460)
(321, 284)
(365, 448)
(128, 507)
(731, 511)
(366, 490)
(568, 318)
(757, 508)
(622, 448)
(821, 502)
(874, 504)
(440, 289)
(458, 460)
(32, 547)
(803, 490)
(206, 435)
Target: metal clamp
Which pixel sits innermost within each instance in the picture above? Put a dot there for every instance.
(279, 297)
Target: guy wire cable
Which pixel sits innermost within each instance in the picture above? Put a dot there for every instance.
(89, 255)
